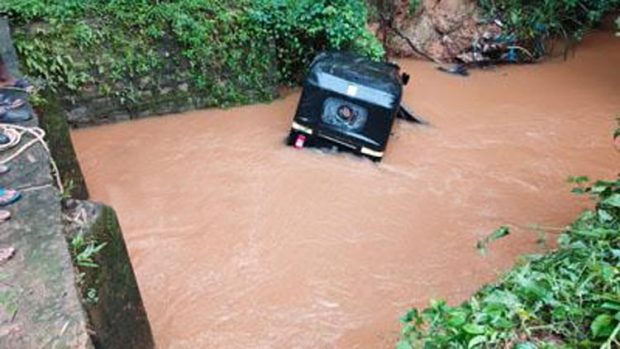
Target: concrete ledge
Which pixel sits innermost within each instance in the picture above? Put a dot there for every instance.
(40, 304)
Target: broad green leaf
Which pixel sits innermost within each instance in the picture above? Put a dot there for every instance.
(578, 179)
(404, 345)
(473, 329)
(604, 216)
(409, 316)
(595, 233)
(602, 326)
(498, 234)
(526, 345)
(613, 200)
(476, 341)
(578, 191)
(601, 186)
(611, 306)
(457, 318)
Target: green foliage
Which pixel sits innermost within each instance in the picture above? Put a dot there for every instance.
(84, 251)
(569, 298)
(499, 233)
(223, 49)
(531, 22)
(414, 6)
(301, 28)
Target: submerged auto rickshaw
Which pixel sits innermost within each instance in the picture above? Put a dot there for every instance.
(349, 102)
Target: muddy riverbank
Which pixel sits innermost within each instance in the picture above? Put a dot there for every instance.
(240, 242)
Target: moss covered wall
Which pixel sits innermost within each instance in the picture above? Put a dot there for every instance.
(169, 88)
(124, 59)
(115, 61)
(109, 289)
(167, 84)
(53, 120)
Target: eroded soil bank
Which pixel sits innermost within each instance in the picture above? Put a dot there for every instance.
(240, 242)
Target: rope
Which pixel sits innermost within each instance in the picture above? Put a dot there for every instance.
(16, 135)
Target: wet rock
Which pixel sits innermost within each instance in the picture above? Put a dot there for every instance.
(89, 90)
(449, 15)
(145, 82)
(78, 115)
(146, 94)
(440, 29)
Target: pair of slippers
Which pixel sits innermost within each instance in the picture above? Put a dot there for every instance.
(11, 102)
(4, 215)
(12, 111)
(10, 115)
(7, 197)
(19, 85)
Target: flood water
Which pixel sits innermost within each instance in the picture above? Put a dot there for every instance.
(241, 242)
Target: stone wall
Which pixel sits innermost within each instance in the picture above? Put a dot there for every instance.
(154, 96)
(114, 96)
(168, 89)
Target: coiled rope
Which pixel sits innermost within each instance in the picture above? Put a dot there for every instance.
(14, 148)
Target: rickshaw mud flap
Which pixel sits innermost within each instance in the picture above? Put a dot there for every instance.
(405, 113)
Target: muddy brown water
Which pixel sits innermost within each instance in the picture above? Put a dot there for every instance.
(240, 242)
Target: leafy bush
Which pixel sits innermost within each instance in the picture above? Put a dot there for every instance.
(533, 21)
(223, 48)
(301, 28)
(566, 299)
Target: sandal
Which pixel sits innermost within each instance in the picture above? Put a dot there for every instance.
(4, 215)
(9, 196)
(11, 102)
(6, 253)
(20, 85)
(11, 115)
